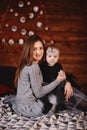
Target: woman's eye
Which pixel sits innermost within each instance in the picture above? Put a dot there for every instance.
(41, 48)
(33, 49)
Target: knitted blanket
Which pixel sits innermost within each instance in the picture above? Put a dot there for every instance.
(63, 120)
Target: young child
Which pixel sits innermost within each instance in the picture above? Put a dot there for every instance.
(50, 68)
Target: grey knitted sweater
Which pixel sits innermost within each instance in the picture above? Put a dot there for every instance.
(29, 82)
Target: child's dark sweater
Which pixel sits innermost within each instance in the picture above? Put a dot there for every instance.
(50, 72)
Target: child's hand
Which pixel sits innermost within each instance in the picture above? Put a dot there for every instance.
(61, 76)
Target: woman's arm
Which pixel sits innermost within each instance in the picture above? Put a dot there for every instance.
(36, 83)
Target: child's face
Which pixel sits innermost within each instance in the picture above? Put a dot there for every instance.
(52, 56)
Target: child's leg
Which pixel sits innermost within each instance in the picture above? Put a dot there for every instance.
(59, 92)
(47, 104)
(53, 100)
(56, 97)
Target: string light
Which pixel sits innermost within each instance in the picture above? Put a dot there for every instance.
(23, 31)
(21, 41)
(11, 41)
(31, 32)
(36, 14)
(20, 4)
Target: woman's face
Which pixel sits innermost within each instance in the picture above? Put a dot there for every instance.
(38, 51)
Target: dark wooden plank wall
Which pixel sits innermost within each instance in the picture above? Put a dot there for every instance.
(67, 20)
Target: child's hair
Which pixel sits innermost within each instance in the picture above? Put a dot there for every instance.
(52, 46)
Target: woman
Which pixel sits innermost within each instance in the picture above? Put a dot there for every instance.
(29, 80)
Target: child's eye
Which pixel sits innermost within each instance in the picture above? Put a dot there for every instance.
(55, 56)
(49, 56)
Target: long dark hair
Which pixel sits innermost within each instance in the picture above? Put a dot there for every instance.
(27, 55)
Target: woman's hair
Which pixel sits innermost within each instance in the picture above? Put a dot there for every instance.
(27, 55)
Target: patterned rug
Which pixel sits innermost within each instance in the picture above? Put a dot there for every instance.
(64, 120)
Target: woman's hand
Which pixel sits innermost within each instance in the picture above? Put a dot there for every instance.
(61, 76)
(68, 90)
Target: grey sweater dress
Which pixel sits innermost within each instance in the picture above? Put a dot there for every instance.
(29, 90)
